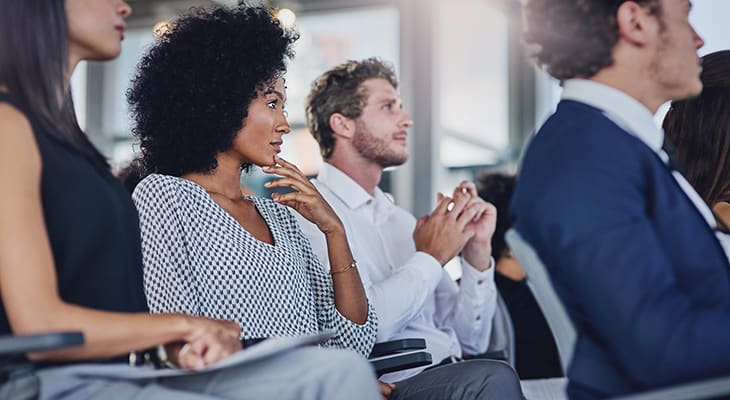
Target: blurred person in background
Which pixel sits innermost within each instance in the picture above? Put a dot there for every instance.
(536, 354)
(699, 129)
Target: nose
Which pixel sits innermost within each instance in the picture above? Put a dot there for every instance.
(406, 121)
(698, 39)
(124, 9)
(282, 125)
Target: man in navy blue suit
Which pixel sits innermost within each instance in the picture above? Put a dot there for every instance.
(633, 252)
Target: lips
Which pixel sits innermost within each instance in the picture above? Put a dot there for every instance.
(276, 146)
(120, 29)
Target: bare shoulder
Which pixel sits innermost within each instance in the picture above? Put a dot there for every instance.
(18, 149)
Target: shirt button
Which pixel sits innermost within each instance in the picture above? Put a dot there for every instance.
(479, 282)
(478, 317)
(370, 201)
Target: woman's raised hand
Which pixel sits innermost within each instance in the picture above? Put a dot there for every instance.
(305, 198)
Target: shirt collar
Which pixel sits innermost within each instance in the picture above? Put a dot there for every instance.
(352, 194)
(619, 107)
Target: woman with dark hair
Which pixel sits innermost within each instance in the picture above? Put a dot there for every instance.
(70, 256)
(208, 102)
(699, 130)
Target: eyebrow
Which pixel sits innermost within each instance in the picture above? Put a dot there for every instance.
(276, 92)
(386, 100)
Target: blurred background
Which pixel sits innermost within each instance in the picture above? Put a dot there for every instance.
(465, 80)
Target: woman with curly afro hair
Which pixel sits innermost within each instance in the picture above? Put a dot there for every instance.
(208, 101)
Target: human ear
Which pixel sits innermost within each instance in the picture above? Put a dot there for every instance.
(341, 125)
(636, 24)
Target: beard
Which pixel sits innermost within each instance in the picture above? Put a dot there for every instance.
(679, 79)
(376, 149)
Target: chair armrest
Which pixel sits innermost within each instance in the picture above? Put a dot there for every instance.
(717, 388)
(397, 362)
(499, 355)
(16, 345)
(400, 362)
(397, 346)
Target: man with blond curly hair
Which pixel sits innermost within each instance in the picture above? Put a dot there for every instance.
(356, 115)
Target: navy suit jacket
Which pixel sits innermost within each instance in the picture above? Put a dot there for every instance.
(643, 277)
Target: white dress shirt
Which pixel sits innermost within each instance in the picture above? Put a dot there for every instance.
(412, 294)
(636, 119)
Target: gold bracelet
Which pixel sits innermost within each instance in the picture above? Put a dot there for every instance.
(347, 268)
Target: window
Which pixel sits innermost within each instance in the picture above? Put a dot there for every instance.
(471, 60)
(328, 39)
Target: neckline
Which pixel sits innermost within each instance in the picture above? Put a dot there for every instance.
(241, 197)
(227, 215)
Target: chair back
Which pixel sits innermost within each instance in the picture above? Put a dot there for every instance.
(539, 281)
(502, 340)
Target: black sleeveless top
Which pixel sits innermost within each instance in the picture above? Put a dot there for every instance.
(92, 226)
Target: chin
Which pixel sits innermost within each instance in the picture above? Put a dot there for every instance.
(105, 55)
(689, 90)
(694, 90)
(264, 163)
(698, 88)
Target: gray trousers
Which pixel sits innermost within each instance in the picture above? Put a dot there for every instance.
(306, 373)
(465, 380)
(24, 387)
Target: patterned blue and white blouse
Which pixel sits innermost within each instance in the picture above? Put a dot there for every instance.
(199, 260)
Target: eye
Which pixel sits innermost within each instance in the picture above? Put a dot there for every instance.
(388, 106)
(272, 104)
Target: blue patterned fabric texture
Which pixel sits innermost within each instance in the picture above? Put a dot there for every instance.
(199, 260)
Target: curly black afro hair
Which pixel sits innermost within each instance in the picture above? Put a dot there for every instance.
(574, 38)
(191, 92)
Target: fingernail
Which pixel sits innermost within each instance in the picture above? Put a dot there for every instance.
(267, 184)
(266, 168)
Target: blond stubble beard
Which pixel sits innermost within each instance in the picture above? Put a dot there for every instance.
(376, 149)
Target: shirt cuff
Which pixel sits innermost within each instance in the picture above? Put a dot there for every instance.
(429, 268)
(474, 281)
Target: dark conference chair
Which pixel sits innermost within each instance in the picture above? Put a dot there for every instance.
(16, 372)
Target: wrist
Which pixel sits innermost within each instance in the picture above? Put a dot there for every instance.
(433, 254)
(335, 231)
(173, 352)
(350, 267)
(160, 356)
(480, 259)
(184, 327)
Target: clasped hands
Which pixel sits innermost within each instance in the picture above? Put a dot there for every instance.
(461, 223)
